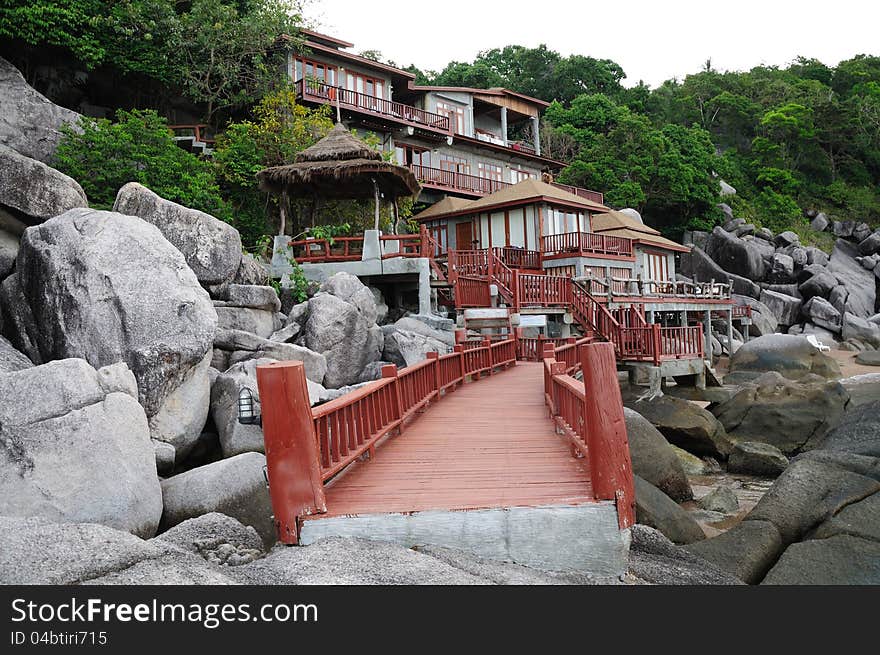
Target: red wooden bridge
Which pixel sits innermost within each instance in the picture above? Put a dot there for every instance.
(453, 450)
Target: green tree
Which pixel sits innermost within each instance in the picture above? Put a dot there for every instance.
(103, 156)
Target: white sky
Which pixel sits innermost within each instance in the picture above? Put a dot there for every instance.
(651, 40)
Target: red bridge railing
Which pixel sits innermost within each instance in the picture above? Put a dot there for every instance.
(590, 415)
(306, 447)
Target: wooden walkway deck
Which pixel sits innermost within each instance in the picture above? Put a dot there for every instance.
(488, 444)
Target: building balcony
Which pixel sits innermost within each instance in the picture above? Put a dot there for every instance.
(586, 244)
(463, 183)
(318, 92)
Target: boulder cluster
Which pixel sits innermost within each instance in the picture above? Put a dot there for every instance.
(795, 288)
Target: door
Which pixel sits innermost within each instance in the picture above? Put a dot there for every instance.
(464, 236)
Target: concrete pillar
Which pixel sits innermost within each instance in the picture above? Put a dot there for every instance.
(424, 287)
(504, 125)
(683, 319)
(707, 335)
(372, 246)
(730, 332)
(650, 316)
(536, 126)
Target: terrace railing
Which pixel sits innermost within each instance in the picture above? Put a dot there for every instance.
(439, 177)
(585, 244)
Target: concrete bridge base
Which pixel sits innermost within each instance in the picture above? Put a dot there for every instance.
(582, 538)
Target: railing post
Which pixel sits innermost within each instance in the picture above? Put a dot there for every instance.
(293, 463)
(657, 341)
(434, 356)
(548, 350)
(460, 351)
(390, 371)
(605, 427)
(515, 290)
(487, 344)
(425, 246)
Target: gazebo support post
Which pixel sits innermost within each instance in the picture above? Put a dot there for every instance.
(376, 198)
(283, 212)
(396, 216)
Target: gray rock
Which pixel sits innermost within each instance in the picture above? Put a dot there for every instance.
(861, 519)
(781, 269)
(212, 248)
(655, 559)
(77, 447)
(253, 296)
(861, 231)
(286, 334)
(756, 458)
(823, 313)
(792, 356)
(808, 493)
(10, 359)
(792, 416)
(787, 238)
(736, 255)
(183, 413)
(422, 325)
(765, 234)
(298, 314)
(29, 122)
(691, 464)
(860, 329)
(685, 424)
(785, 308)
(351, 561)
(726, 189)
(816, 256)
(315, 363)
(34, 191)
(38, 551)
(698, 265)
(9, 241)
(344, 335)
(763, 319)
(838, 297)
(820, 223)
(858, 431)
(252, 270)
(235, 487)
(174, 568)
(870, 244)
(655, 509)
(165, 457)
(748, 550)
(256, 321)
(721, 499)
(863, 388)
(860, 284)
(235, 437)
(372, 371)
(733, 224)
(745, 230)
(405, 348)
(350, 289)
(838, 560)
(868, 358)
(80, 278)
(843, 228)
(653, 459)
(824, 335)
(216, 537)
(381, 306)
(818, 281)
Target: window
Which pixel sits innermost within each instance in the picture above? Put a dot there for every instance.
(564, 222)
(489, 171)
(518, 175)
(314, 70)
(656, 266)
(454, 164)
(455, 113)
(408, 155)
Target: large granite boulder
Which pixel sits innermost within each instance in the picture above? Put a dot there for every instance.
(861, 330)
(698, 265)
(870, 244)
(10, 359)
(816, 280)
(764, 321)
(838, 560)
(781, 269)
(860, 283)
(809, 492)
(77, 447)
(653, 459)
(34, 192)
(235, 487)
(243, 346)
(823, 313)
(656, 560)
(685, 424)
(349, 288)
(792, 356)
(747, 550)
(785, 308)
(29, 122)
(792, 416)
(739, 256)
(756, 458)
(212, 248)
(864, 388)
(347, 336)
(405, 347)
(858, 431)
(655, 509)
(108, 288)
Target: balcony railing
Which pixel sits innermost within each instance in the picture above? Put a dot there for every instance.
(586, 194)
(317, 91)
(586, 244)
(457, 181)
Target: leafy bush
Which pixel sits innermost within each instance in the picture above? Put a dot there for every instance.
(103, 156)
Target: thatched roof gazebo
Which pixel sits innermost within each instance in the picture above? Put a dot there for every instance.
(339, 167)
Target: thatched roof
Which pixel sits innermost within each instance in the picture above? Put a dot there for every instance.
(339, 166)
